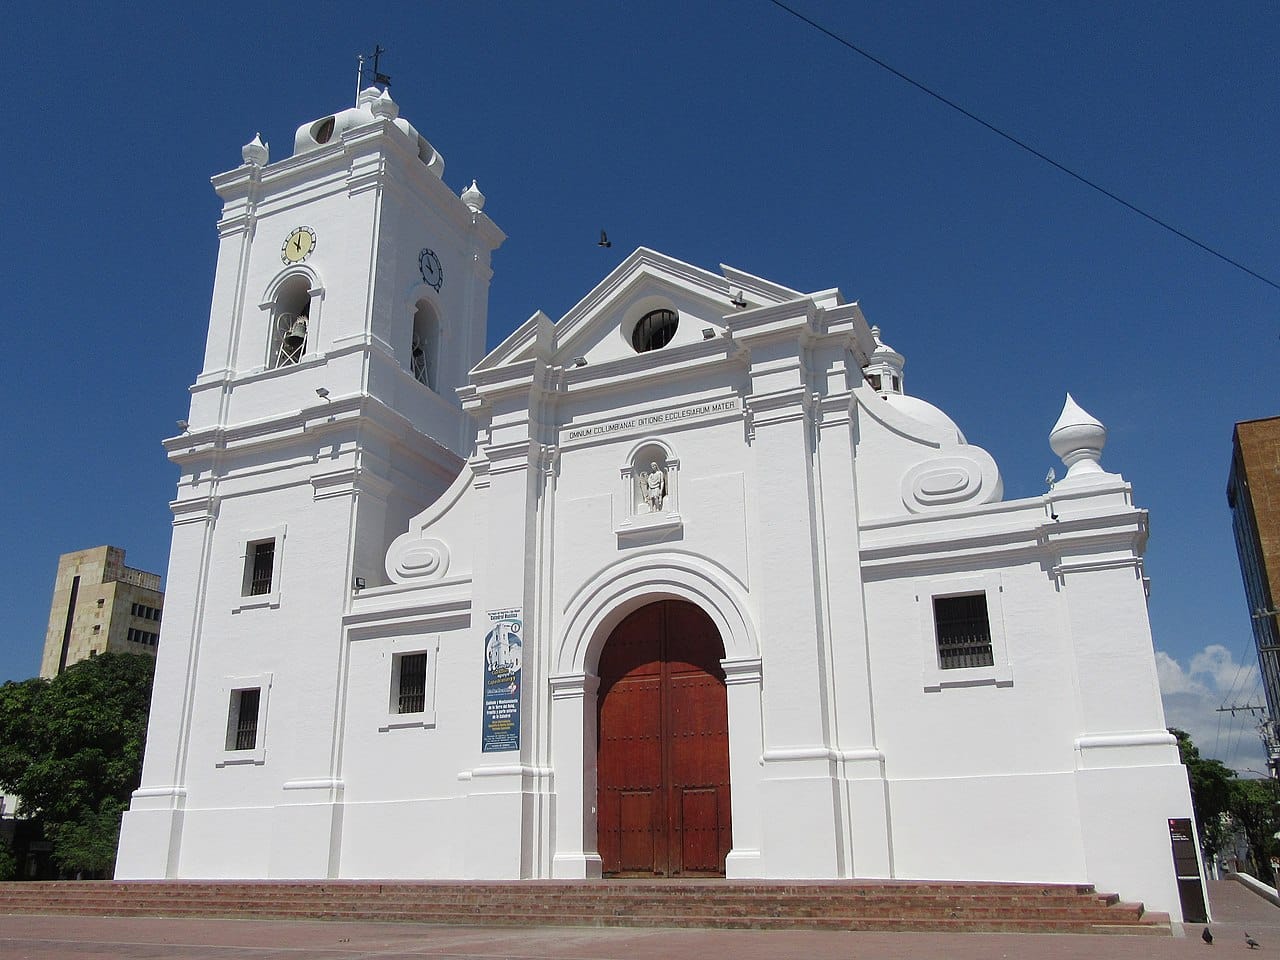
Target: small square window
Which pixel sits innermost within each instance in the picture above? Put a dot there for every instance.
(242, 725)
(963, 631)
(411, 698)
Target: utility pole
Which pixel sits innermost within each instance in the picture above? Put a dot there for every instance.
(1266, 731)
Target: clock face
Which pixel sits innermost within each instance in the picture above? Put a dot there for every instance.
(432, 272)
(298, 245)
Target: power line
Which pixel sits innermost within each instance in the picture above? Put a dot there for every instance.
(1023, 144)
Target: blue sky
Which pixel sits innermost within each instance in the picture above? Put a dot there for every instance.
(715, 132)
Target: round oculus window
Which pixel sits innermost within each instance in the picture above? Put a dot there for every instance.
(654, 331)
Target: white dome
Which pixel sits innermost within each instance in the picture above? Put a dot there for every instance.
(925, 412)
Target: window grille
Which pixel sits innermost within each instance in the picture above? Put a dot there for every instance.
(264, 555)
(964, 631)
(654, 330)
(247, 719)
(413, 683)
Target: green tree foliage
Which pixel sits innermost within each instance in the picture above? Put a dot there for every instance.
(71, 750)
(87, 844)
(1210, 792)
(1253, 807)
(8, 862)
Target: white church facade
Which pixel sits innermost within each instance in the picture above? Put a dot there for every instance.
(680, 584)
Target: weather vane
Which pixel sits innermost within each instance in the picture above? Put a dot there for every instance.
(378, 77)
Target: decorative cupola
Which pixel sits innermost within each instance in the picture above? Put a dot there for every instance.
(372, 104)
(1078, 438)
(884, 370)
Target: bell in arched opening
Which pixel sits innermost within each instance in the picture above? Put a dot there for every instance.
(424, 343)
(293, 337)
(418, 360)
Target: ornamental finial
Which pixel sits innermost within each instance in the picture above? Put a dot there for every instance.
(384, 107)
(1078, 438)
(255, 152)
(473, 198)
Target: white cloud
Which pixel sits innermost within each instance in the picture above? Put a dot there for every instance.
(1193, 694)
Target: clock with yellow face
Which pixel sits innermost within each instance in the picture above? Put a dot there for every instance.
(298, 245)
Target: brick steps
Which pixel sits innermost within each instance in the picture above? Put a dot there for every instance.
(821, 905)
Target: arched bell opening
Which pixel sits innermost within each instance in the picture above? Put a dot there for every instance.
(291, 318)
(662, 746)
(424, 345)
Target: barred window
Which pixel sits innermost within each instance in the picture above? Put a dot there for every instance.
(654, 331)
(243, 732)
(964, 631)
(261, 560)
(412, 696)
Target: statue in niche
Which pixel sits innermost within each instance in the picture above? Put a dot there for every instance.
(653, 487)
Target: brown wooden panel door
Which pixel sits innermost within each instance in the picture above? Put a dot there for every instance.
(662, 755)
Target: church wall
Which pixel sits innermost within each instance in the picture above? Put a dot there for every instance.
(1062, 761)
(1028, 724)
(1018, 827)
(981, 778)
(242, 639)
(391, 757)
(404, 839)
(205, 835)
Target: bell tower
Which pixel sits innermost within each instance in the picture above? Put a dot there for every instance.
(349, 302)
(352, 246)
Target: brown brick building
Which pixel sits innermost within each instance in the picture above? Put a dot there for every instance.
(1253, 491)
(99, 604)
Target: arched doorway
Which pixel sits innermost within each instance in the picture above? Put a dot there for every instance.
(662, 751)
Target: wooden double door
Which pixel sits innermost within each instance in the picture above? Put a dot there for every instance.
(662, 753)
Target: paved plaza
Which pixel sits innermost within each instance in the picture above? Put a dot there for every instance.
(25, 937)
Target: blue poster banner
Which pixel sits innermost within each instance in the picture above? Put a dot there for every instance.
(500, 729)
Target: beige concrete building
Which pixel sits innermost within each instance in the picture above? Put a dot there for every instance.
(99, 604)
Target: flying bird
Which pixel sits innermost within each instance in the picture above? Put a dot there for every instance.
(1253, 944)
(604, 240)
(1206, 936)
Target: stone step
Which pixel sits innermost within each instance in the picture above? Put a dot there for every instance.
(636, 909)
(852, 905)
(917, 924)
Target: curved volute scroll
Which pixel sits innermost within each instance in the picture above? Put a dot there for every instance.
(423, 552)
(921, 461)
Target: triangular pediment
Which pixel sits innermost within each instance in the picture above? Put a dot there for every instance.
(598, 328)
